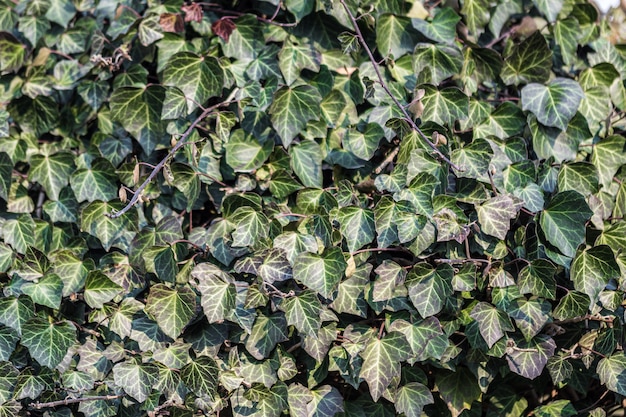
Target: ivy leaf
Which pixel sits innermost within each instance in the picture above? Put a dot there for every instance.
(610, 371)
(560, 408)
(608, 155)
(442, 27)
(139, 111)
(12, 53)
(426, 337)
(172, 309)
(245, 153)
(199, 77)
(52, 172)
(48, 343)
(250, 226)
(321, 273)
(295, 56)
(95, 221)
(529, 62)
(96, 182)
(303, 312)
(592, 269)
(356, 226)
(218, 292)
(411, 399)
(578, 176)
(549, 8)
(505, 121)
(395, 35)
(135, 378)
(529, 358)
(458, 389)
(492, 323)
(7, 381)
(496, 213)
(14, 312)
(573, 304)
(267, 332)
(530, 316)
(46, 291)
(443, 106)
(435, 62)
(61, 12)
(537, 278)
(306, 161)
(292, 109)
(381, 361)
(20, 233)
(563, 221)
(429, 288)
(554, 104)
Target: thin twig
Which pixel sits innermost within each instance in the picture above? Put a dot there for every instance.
(385, 87)
(68, 401)
(215, 8)
(181, 142)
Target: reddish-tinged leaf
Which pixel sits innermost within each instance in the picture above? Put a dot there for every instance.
(223, 28)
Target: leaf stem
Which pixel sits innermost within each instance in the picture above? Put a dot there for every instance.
(182, 141)
(68, 401)
(385, 87)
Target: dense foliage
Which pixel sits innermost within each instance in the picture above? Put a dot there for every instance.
(359, 208)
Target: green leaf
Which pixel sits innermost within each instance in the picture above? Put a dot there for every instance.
(443, 106)
(458, 389)
(295, 56)
(429, 288)
(250, 226)
(566, 32)
(549, 8)
(395, 36)
(37, 116)
(473, 159)
(411, 399)
(554, 104)
(608, 155)
(306, 162)
(244, 153)
(283, 184)
(495, 214)
(573, 304)
(611, 370)
(381, 361)
(529, 358)
(46, 291)
(563, 221)
(217, 289)
(8, 381)
(199, 77)
(303, 312)
(292, 109)
(8, 341)
(96, 182)
(15, 312)
(363, 145)
(139, 111)
(529, 62)
(19, 233)
(505, 121)
(442, 27)
(492, 323)
(578, 176)
(558, 408)
(52, 172)
(12, 53)
(267, 332)
(61, 12)
(537, 278)
(136, 379)
(356, 226)
(149, 30)
(476, 14)
(172, 309)
(530, 316)
(48, 343)
(321, 273)
(95, 221)
(426, 337)
(99, 289)
(435, 62)
(592, 269)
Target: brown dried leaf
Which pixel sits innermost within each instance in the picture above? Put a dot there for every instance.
(171, 22)
(223, 28)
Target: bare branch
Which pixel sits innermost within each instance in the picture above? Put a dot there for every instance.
(181, 142)
(383, 84)
(68, 401)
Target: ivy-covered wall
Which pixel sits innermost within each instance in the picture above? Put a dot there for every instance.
(312, 208)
